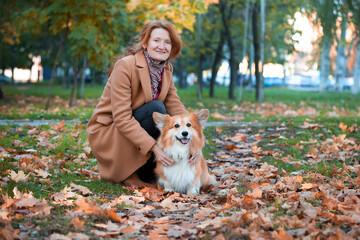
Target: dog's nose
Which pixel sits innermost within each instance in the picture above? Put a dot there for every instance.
(184, 133)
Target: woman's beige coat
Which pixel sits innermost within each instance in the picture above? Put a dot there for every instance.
(119, 143)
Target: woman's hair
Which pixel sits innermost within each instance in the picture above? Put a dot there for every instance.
(144, 37)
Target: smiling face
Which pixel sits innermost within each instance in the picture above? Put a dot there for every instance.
(159, 45)
(181, 130)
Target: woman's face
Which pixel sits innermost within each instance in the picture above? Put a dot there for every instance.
(159, 45)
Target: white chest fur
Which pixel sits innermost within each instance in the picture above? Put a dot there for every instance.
(181, 174)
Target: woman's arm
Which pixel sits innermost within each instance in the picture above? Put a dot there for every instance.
(121, 78)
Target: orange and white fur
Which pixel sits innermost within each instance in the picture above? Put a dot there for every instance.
(182, 137)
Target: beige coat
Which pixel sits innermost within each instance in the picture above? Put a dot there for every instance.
(119, 143)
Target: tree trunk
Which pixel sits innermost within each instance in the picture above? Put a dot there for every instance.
(234, 69)
(80, 90)
(356, 85)
(66, 70)
(93, 77)
(66, 32)
(182, 74)
(232, 61)
(325, 62)
(249, 87)
(66, 78)
(38, 76)
(29, 80)
(257, 52)
(74, 82)
(199, 68)
(12, 55)
(12, 75)
(341, 60)
(215, 65)
(284, 69)
(244, 49)
(260, 86)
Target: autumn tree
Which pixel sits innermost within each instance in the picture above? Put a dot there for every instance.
(227, 13)
(325, 14)
(354, 7)
(14, 47)
(208, 39)
(94, 30)
(257, 52)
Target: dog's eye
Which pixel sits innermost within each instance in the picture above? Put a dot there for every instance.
(188, 124)
(177, 126)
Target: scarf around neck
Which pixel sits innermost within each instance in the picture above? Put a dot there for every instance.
(156, 70)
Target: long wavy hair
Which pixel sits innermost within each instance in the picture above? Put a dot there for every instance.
(144, 37)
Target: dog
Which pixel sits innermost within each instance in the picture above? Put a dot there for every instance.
(181, 138)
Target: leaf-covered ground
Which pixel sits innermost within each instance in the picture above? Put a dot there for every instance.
(288, 168)
(286, 180)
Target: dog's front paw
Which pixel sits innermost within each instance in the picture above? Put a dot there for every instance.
(193, 191)
(169, 190)
(213, 181)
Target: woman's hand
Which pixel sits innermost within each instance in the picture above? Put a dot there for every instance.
(193, 159)
(161, 157)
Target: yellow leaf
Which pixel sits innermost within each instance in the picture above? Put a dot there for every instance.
(343, 127)
(19, 176)
(306, 186)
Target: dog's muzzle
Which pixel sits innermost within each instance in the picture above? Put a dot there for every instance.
(185, 139)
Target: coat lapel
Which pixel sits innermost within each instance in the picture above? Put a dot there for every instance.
(165, 83)
(144, 75)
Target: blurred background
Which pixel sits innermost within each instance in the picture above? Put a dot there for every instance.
(245, 44)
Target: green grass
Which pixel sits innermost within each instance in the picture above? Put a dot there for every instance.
(65, 167)
(14, 108)
(62, 165)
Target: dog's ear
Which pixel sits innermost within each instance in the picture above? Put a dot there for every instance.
(203, 116)
(159, 119)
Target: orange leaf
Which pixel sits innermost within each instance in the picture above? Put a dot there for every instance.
(298, 179)
(280, 234)
(306, 186)
(114, 216)
(343, 127)
(128, 230)
(256, 149)
(61, 126)
(225, 220)
(257, 193)
(231, 147)
(248, 202)
(258, 136)
(87, 207)
(77, 222)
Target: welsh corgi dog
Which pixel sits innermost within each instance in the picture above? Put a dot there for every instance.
(182, 138)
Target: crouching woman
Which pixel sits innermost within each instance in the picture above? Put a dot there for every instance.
(121, 131)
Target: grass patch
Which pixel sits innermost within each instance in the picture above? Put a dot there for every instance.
(59, 153)
(28, 101)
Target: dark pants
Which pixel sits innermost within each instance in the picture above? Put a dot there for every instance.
(143, 115)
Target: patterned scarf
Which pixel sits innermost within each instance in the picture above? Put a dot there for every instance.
(156, 70)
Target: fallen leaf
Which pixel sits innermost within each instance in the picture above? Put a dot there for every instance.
(19, 176)
(42, 173)
(306, 186)
(343, 127)
(77, 222)
(83, 190)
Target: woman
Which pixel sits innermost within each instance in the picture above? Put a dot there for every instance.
(121, 131)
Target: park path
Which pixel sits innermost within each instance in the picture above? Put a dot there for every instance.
(35, 123)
